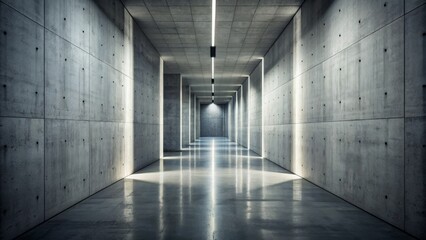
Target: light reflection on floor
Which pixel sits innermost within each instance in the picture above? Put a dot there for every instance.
(214, 190)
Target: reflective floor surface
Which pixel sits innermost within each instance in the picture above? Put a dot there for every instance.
(214, 190)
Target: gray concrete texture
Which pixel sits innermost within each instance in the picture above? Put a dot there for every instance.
(192, 122)
(181, 30)
(230, 122)
(185, 112)
(213, 119)
(244, 110)
(171, 109)
(233, 120)
(79, 105)
(336, 111)
(256, 110)
(198, 120)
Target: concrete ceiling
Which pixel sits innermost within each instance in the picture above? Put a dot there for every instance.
(181, 32)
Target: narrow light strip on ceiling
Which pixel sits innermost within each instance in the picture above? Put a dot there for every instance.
(213, 47)
(213, 20)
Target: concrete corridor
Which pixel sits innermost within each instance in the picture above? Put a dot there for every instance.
(215, 189)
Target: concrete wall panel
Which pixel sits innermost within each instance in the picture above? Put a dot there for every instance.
(234, 118)
(192, 122)
(244, 106)
(106, 154)
(21, 65)
(103, 82)
(22, 175)
(256, 109)
(415, 170)
(171, 112)
(412, 4)
(31, 9)
(198, 119)
(69, 20)
(343, 157)
(334, 110)
(107, 92)
(106, 40)
(66, 79)
(67, 164)
(415, 75)
(185, 113)
(212, 120)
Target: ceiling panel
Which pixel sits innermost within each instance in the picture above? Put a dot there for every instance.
(181, 32)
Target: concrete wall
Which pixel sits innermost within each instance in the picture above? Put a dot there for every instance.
(256, 110)
(244, 111)
(192, 120)
(339, 110)
(233, 122)
(80, 88)
(213, 120)
(197, 118)
(171, 112)
(225, 120)
(185, 113)
(242, 114)
(230, 121)
(415, 118)
(238, 114)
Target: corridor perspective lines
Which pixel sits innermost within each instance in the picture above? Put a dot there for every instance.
(215, 189)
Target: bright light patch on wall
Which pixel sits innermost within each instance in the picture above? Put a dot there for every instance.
(180, 112)
(213, 67)
(161, 105)
(297, 100)
(263, 125)
(248, 113)
(189, 115)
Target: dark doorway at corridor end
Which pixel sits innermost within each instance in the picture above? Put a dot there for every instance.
(213, 120)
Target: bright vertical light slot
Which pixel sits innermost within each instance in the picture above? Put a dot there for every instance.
(241, 113)
(248, 113)
(213, 20)
(189, 115)
(213, 67)
(263, 130)
(161, 105)
(180, 112)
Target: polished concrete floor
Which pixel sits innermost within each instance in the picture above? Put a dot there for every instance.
(214, 190)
